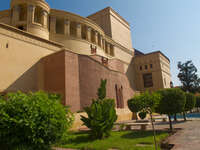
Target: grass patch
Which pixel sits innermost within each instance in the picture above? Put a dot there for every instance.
(124, 140)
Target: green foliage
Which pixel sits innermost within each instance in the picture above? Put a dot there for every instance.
(190, 101)
(197, 101)
(102, 90)
(142, 114)
(134, 104)
(144, 102)
(188, 76)
(101, 114)
(32, 121)
(172, 101)
(101, 117)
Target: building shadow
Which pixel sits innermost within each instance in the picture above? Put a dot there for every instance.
(28, 81)
(130, 73)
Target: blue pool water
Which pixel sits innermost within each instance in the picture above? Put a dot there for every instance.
(190, 115)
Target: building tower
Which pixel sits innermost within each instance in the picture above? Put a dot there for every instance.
(31, 16)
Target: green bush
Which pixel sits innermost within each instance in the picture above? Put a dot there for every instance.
(32, 121)
(101, 117)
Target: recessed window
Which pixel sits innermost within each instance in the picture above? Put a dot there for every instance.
(146, 67)
(7, 45)
(60, 26)
(140, 67)
(23, 12)
(148, 80)
(84, 32)
(73, 29)
(37, 15)
(151, 66)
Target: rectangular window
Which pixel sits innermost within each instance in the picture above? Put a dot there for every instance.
(73, 29)
(83, 32)
(140, 67)
(148, 80)
(151, 66)
(146, 67)
(60, 26)
(23, 12)
(37, 15)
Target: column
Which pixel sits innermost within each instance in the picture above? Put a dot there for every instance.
(101, 41)
(53, 24)
(67, 27)
(78, 30)
(44, 18)
(15, 17)
(112, 51)
(108, 48)
(96, 37)
(31, 12)
(104, 44)
(88, 34)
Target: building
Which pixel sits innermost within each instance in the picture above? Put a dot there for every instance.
(57, 51)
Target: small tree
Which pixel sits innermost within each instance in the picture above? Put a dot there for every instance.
(146, 103)
(190, 103)
(102, 90)
(32, 121)
(101, 115)
(172, 101)
(197, 102)
(134, 105)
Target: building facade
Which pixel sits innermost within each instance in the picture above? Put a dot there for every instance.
(57, 51)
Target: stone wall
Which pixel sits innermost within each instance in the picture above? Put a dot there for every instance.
(91, 72)
(78, 78)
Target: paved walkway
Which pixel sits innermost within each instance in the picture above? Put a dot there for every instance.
(188, 138)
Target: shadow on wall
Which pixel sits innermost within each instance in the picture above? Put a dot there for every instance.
(28, 81)
(130, 73)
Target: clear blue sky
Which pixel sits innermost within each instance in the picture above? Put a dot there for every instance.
(172, 26)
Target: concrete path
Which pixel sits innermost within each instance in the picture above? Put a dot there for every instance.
(188, 138)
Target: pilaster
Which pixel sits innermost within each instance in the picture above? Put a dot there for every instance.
(30, 15)
(108, 48)
(96, 37)
(78, 30)
(53, 24)
(67, 27)
(88, 34)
